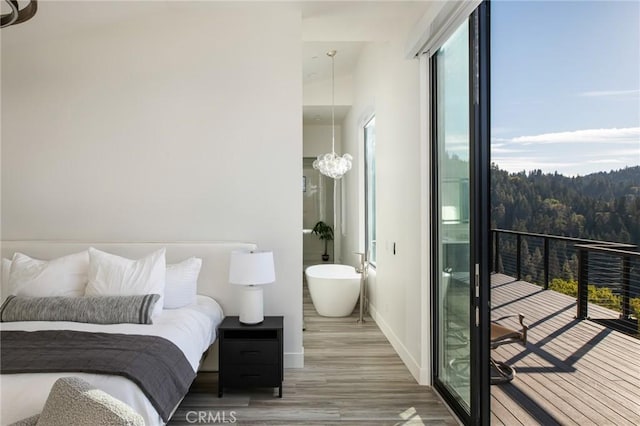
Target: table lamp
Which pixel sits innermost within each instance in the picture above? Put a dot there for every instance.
(251, 269)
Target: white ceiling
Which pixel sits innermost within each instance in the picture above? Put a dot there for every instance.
(354, 20)
(316, 65)
(347, 26)
(344, 25)
(321, 115)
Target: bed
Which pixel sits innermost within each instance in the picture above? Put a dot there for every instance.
(191, 328)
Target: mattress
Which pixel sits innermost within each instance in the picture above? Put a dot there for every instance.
(192, 329)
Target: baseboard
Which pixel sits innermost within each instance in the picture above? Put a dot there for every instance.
(294, 359)
(425, 377)
(418, 373)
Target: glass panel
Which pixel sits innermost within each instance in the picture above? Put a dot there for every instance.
(452, 192)
(370, 167)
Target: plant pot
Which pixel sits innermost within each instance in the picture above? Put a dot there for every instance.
(325, 257)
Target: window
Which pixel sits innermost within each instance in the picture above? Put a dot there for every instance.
(370, 188)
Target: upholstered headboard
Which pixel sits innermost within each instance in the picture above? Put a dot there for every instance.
(214, 276)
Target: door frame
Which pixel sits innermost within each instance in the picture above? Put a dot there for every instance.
(481, 235)
(480, 206)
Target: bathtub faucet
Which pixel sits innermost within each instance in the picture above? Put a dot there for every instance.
(364, 260)
(362, 269)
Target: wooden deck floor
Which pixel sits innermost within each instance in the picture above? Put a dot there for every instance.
(571, 372)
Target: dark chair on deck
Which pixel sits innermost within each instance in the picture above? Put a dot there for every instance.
(501, 335)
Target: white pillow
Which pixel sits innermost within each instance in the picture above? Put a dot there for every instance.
(64, 276)
(111, 275)
(182, 283)
(4, 285)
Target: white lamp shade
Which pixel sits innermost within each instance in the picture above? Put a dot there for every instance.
(251, 267)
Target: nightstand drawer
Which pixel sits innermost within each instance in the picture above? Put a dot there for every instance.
(251, 352)
(253, 375)
(251, 355)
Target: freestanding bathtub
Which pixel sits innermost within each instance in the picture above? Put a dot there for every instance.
(334, 289)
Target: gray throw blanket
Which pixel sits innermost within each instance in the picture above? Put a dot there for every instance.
(155, 364)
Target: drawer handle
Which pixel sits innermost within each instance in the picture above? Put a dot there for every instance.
(249, 352)
(250, 375)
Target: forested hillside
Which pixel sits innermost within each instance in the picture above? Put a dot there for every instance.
(601, 206)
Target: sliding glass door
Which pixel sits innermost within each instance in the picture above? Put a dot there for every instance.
(460, 219)
(451, 157)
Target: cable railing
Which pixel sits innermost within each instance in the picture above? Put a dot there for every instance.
(599, 274)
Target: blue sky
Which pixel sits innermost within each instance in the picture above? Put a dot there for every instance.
(565, 85)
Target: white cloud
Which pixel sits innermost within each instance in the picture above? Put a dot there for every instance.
(498, 141)
(629, 154)
(571, 153)
(600, 93)
(626, 135)
(497, 149)
(606, 161)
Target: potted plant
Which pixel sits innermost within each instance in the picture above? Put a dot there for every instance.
(324, 232)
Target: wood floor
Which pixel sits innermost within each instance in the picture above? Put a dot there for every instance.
(571, 372)
(352, 376)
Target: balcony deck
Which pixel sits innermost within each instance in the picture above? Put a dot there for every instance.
(571, 372)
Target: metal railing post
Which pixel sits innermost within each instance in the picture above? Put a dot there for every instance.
(626, 287)
(496, 260)
(583, 290)
(546, 263)
(492, 243)
(518, 254)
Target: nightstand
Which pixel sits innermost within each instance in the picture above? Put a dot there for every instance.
(250, 355)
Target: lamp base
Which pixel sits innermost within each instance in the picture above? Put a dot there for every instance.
(251, 305)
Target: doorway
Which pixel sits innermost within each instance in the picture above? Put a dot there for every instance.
(317, 205)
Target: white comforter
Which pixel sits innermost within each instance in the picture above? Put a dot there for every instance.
(192, 329)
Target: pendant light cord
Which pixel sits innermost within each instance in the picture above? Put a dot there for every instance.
(333, 103)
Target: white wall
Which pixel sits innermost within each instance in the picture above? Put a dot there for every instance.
(319, 92)
(317, 139)
(387, 84)
(161, 129)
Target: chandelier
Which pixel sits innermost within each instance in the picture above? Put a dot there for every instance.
(332, 164)
(17, 15)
